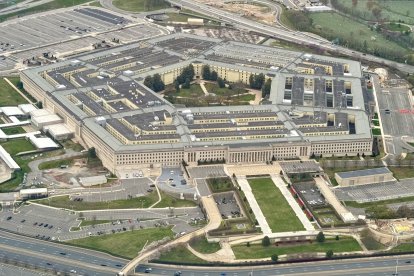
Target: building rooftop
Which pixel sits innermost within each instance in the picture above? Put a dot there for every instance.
(361, 173)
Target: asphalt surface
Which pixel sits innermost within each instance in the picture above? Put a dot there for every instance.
(362, 267)
(293, 36)
(57, 257)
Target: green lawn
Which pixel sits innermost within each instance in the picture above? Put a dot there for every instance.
(381, 202)
(17, 145)
(349, 29)
(127, 244)
(180, 254)
(69, 144)
(397, 27)
(257, 251)
(402, 172)
(201, 245)
(92, 222)
(404, 247)
(9, 96)
(225, 91)
(279, 215)
(169, 201)
(194, 91)
(218, 185)
(376, 131)
(65, 202)
(13, 130)
(55, 164)
(393, 10)
(140, 5)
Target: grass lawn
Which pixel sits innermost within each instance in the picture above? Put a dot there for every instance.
(169, 201)
(369, 242)
(347, 28)
(180, 254)
(279, 215)
(381, 202)
(225, 91)
(55, 164)
(13, 130)
(402, 172)
(376, 131)
(69, 144)
(127, 244)
(257, 251)
(404, 247)
(65, 202)
(17, 145)
(375, 122)
(397, 27)
(218, 185)
(393, 10)
(92, 222)
(201, 245)
(194, 91)
(9, 96)
(140, 5)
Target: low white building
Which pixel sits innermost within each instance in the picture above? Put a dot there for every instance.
(59, 131)
(11, 111)
(27, 108)
(33, 193)
(41, 121)
(43, 142)
(8, 160)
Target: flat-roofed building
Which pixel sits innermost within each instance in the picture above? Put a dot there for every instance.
(362, 177)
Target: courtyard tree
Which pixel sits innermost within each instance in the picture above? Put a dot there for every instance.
(206, 72)
(266, 241)
(320, 237)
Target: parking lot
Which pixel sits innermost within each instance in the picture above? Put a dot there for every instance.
(207, 171)
(55, 224)
(227, 205)
(310, 193)
(172, 180)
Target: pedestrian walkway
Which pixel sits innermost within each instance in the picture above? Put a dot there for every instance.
(204, 88)
(225, 254)
(292, 202)
(247, 190)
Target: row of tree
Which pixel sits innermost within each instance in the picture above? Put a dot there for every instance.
(154, 83)
(207, 74)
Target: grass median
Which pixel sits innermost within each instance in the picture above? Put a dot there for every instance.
(180, 254)
(257, 251)
(277, 211)
(126, 244)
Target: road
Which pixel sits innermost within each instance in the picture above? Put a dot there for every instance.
(277, 32)
(363, 267)
(56, 256)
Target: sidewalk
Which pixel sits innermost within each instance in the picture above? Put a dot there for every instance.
(292, 202)
(244, 185)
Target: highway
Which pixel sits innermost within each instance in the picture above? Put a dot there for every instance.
(277, 32)
(57, 257)
(363, 267)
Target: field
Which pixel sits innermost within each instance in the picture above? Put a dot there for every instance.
(65, 202)
(279, 215)
(13, 130)
(169, 201)
(140, 5)
(348, 29)
(402, 172)
(392, 10)
(404, 247)
(257, 251)
(192, 92)
(201, 245)
(180, 254)
(17, 145)
(218, 185)
(127, 244)
(9, 96)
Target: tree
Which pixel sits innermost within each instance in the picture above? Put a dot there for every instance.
(329, 254)
(266, 241)
(206, 72)
(266, 88)
(158, 84)
(148, 82)
(320, 237)
(337, 238)
(274, 258)
(404, 212)
(91, 153)
(248, 244)
(186, 84)
(39, 104)
(19, 85)
(177, 86)
(213, 76)
(376, 12)
(221, 83)
(257, 81)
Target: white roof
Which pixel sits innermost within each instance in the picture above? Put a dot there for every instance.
(6, 157)
(57, 129)
(51, 118)
(39, 112)
(42, 142)
(27, 108)
(11, 111)
(33, 191)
